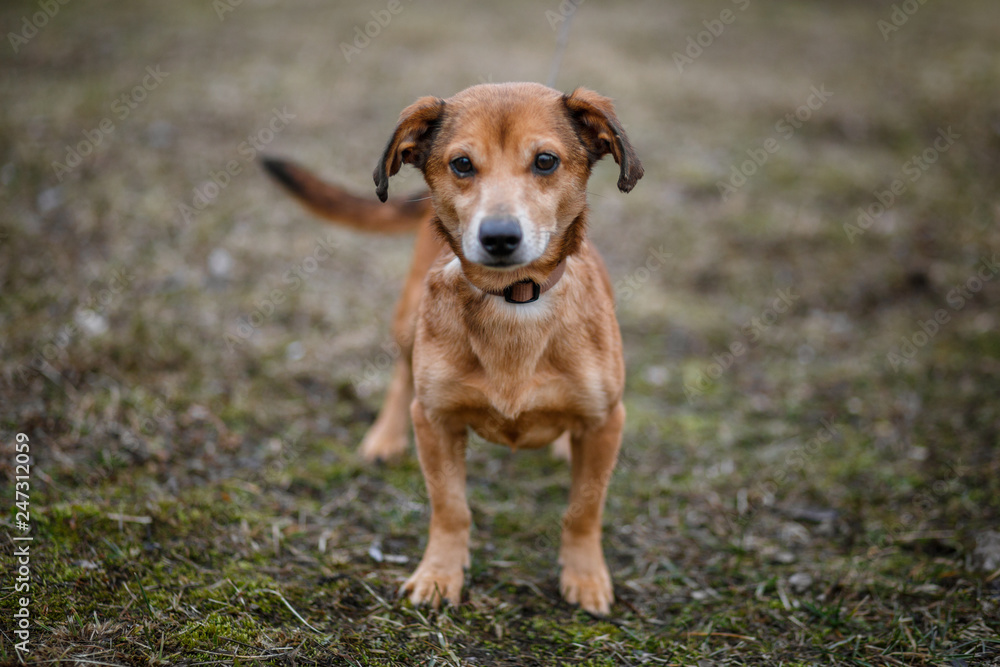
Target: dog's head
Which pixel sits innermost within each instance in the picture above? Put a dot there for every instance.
(507, 165)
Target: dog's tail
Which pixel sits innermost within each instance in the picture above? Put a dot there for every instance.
(399, 214)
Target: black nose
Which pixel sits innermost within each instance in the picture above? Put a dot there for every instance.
(500, 236)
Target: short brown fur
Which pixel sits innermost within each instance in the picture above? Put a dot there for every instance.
(523, 375)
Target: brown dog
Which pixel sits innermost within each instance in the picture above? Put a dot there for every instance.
(507, 321)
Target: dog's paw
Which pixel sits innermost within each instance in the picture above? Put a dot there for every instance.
(590, 588)
(430, 586)
(561, 447)
(382, 444)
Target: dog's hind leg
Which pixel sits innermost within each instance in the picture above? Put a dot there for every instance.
(561, 447)
(389, 435)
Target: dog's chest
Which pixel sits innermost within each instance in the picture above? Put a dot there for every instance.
(511, 395)
(515, 392)
(527, 411)
(518, 374)
(514, 369)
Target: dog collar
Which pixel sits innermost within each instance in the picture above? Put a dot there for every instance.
(528, 291)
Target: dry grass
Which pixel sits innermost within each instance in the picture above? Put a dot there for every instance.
(195, 496)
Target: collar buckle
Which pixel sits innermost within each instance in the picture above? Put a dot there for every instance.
(516, 293)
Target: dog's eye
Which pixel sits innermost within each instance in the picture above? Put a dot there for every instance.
(462, 166)
(546, 163)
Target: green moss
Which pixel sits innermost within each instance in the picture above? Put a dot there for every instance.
(256, 514)
(217, 630)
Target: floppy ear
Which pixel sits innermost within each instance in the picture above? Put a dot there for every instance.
(601, 133)
(410, 141)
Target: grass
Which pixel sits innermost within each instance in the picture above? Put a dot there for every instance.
(194, 385)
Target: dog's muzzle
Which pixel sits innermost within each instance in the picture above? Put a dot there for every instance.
(500, 237)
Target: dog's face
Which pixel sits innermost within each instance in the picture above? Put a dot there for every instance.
(507, 165)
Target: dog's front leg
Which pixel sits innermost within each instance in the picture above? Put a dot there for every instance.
(585, 579)
(441, 450)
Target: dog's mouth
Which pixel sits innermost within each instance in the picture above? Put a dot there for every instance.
(502, 265)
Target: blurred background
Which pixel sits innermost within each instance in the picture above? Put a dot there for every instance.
(808, 282)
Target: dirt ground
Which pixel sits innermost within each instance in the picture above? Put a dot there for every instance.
(808, 282)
